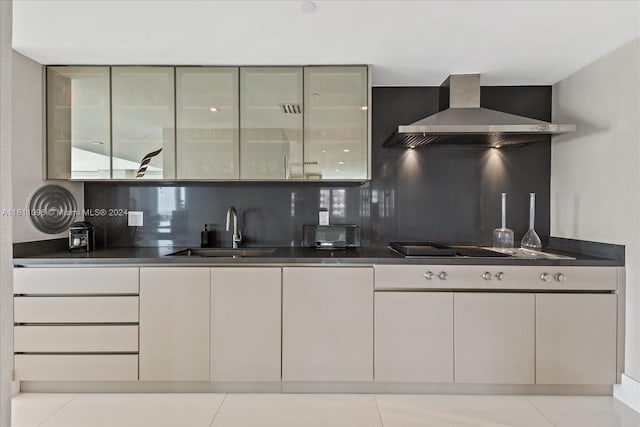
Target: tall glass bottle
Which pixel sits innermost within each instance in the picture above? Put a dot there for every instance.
(531, 239)
(503, 236)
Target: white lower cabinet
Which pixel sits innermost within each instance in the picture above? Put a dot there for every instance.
(414, 337)
(174, 323)
(75, 324)
(327, 331)
(494, 338)
(245, 324)
(314, 324)
(576, 338)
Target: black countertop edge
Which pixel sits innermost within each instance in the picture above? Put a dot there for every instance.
(291, 255)
(585, 247)
(38, 247)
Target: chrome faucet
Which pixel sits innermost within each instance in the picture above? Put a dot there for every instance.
(237, 235)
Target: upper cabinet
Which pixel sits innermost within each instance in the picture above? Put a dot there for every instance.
(78, 123)
(271, 123)
(336, 123)
(208, 123)
(143, 122)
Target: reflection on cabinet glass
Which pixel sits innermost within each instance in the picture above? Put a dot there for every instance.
(78, 133)
(207, 123)
(271, 120)
(336, 122)
(143, 122)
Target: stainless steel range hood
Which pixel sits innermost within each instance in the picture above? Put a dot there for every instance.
(465, 122)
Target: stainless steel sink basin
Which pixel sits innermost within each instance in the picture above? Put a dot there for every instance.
(225, 252)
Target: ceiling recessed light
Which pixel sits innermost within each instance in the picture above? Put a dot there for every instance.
(412, 147)
(364, 108)
(308, 7)
(341, 163)
(337, 170)
(324, 151)
(98, 143)
(213, 109)
(346, 150)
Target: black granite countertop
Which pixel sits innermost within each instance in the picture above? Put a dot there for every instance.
(297, 255)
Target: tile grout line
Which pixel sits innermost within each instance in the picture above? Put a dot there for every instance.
(375, 398)
(58, 410)
(218, 410)
(539, 410)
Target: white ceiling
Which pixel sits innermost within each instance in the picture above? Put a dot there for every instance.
(407, 42)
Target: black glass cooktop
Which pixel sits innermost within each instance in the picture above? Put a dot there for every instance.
(411, 249)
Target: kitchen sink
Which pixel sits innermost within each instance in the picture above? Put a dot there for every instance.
(225, 252)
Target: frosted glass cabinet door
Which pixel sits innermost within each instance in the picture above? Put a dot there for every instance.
(271, 123)
(78, 133)
(336, 140)
(207, 123)
(143, 122)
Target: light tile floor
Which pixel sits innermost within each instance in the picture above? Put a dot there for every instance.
(316, 410)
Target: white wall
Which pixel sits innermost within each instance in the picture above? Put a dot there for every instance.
(595, 172)
(28, 146)
(6, 276)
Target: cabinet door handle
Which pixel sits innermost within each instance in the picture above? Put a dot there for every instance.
(486, 275)
(545, 277)
(428, 275)
(500, 275)
(442, 275)
(286, 174)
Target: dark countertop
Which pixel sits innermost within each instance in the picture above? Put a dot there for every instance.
(292, 255)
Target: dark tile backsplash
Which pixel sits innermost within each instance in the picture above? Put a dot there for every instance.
(448, 194)
(268, 214)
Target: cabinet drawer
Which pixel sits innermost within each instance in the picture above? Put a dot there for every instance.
(76, 309)
(95, 280)
(574, 278)
(414, 276)
(72, 367)
(486, 277)
(61, 339)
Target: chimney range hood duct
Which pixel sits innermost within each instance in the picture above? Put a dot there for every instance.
(466, 123)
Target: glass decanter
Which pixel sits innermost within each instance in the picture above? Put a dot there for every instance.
(503, 236)
(531, 240)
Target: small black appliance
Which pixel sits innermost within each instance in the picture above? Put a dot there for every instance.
(81, 236)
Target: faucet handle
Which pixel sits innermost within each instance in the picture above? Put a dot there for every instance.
(238, 238)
